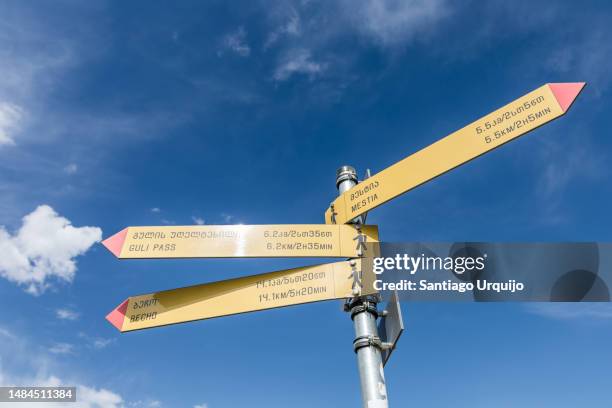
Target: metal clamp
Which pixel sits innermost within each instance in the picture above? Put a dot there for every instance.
(346, 173)
(363, 307)
(367, 341)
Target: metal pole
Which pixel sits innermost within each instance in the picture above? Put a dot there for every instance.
(367, 344)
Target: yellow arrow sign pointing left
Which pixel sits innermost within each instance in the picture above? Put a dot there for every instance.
(229, 241)
(258, 292)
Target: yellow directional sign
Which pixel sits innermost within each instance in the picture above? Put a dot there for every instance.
(258, 292)
(505, 124)
(221, 241)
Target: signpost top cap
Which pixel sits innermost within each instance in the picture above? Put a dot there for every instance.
(345, 173)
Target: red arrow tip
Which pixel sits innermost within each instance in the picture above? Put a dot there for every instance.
(117, 316)
(566, 92)
(115, 243)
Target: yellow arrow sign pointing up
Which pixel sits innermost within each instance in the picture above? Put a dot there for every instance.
(228, 241)
(258, 292)
(505, 124)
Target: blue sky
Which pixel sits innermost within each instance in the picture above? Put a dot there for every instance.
(143, 113)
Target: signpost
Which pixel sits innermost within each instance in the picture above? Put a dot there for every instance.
(241, 295)
(489, 132)
(343, 235)
(240, 241)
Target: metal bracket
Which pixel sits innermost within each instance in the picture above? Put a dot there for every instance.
(390, 326)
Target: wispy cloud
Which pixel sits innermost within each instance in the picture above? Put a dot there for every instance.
(236, 43)
(227, 218)
(306, 38)
(10, 122)
(585, 56)
(44, 248)
(563, 164)
(393, 22)
(145, 404)
(40, 58)
(155, 210)
(4, 332)
(62, 348)
(572, 311)
(71, 168)
(290, 27)
(24, 363)
(97, 343)
(197, 220)
(566, 163)
(200, 406)
(100, 343)
(66, 314)
(298, 62)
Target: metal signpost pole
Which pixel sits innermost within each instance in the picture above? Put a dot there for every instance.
(363, 310)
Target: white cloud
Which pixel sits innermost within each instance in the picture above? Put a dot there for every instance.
(145, 404)
(585, 56)
(201, 406)
(71, 168)
(302, 30)
(6, 333)
(570, 311)
(236, 42)
(91, 397)
(227, 218)
(87, 397)
(22, 362)
(66, 314)
(562, 165)
(155, 210)
(100, 343)
(28, 67)
(198, 220)
(393, 22)
(292, 27)
(10, 121)
(43, 248)
(298, 62)
(97, 343)
(61, 348)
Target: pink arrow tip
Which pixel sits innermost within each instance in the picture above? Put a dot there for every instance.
(117, 316)
(566, 93)
(115, 243)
